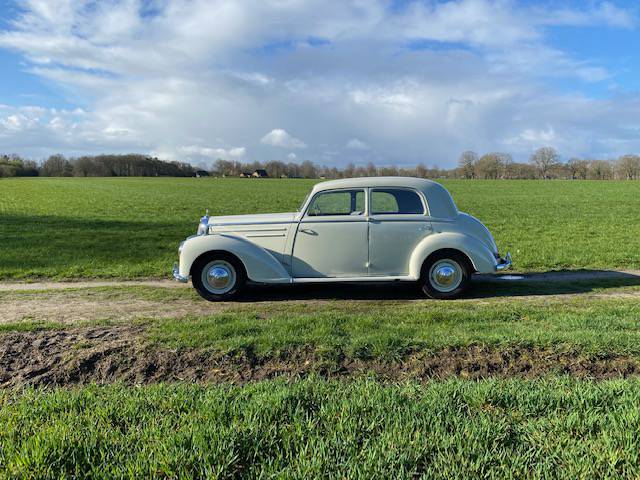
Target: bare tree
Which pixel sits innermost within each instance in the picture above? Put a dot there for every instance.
(600, 170)
(629, 166)
(372, 171)
(545, 159)
(508, 166)
(578, 168)
(308, 169)
(490, 166)
(421, 171)
(55, 166)
(467, 164)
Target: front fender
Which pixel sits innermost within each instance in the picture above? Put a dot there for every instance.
(260, 265)
(481, 257)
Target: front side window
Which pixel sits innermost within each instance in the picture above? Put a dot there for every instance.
(396, 201)
(343, 202)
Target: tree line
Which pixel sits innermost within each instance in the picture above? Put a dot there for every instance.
(544, 163)
(129, 165)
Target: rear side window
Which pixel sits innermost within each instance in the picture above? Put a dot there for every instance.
(343, 202)
(396, 201)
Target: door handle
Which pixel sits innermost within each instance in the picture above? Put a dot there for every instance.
(308, 231)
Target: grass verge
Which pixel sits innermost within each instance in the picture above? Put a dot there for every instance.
(391, 330)
(550, 428)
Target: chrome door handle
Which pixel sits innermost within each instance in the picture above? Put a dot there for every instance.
(308, 231)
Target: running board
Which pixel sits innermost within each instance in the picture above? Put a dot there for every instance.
(353, 279)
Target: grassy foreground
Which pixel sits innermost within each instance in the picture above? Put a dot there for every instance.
(130, 227)
(491, 429)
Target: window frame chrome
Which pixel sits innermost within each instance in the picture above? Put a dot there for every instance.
(365, 213)
(425, 204)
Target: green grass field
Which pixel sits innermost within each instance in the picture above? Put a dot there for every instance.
(130, 227)
(492, 429)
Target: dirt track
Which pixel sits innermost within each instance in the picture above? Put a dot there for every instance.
(109, 354)
(76, 354)
(72, 303)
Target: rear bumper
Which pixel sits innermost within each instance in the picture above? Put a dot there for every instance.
(176, 274)
(504, 263)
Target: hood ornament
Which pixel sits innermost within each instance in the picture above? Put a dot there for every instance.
(203, 227)
(205, 220)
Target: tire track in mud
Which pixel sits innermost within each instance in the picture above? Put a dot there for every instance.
(122, 354)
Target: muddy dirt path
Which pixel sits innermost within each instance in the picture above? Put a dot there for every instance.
(121, 354)
(73, 303)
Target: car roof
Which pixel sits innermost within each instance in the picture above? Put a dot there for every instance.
(438, 198)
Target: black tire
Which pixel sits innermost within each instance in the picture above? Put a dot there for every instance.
(226, 264)
(440, 285)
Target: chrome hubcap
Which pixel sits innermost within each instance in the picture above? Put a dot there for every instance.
(219, 277)
(445, 275)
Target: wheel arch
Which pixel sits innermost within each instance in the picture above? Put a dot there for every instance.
(448, 252)
(260, 265)
(213, 253)
(480, 257)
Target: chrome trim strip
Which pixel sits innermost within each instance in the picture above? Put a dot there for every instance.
(252, 223)
(256, 229)
(262, 235)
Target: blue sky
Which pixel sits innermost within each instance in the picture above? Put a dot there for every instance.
(393, 82)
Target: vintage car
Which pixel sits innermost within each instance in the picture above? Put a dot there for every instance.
(380, 229)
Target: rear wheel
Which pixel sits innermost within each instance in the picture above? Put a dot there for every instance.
(445, 275)
(218, 276)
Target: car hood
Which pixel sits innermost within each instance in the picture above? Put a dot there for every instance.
(253, 218)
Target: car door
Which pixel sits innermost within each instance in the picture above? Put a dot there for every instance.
(398, 221)
(332, 236)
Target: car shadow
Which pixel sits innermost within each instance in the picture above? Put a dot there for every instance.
(483, 286)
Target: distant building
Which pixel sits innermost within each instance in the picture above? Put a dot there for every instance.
(260, 173)
(201, 173)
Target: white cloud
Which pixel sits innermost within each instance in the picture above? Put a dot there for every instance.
(280, 138)
(235, 153)
(292, 156)
(17, 122)
(355, 144)
(596, 14)
(205, 79)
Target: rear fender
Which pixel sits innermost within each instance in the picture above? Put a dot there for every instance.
(261, 266)
(482, 259)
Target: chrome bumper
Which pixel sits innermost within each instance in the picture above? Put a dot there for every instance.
(504, 263)
(176, 274)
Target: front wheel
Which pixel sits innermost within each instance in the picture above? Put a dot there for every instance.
(445, 276)
(218, 277)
